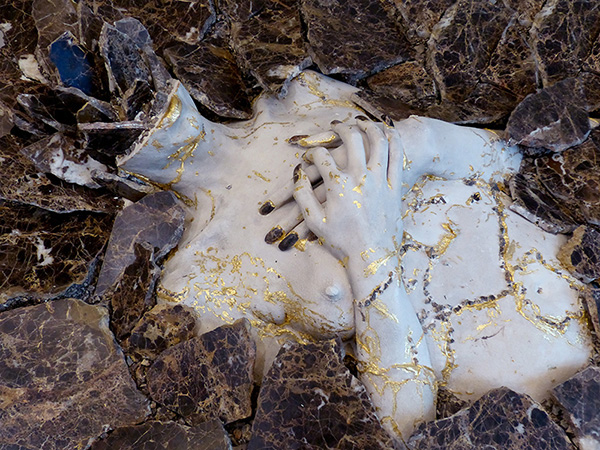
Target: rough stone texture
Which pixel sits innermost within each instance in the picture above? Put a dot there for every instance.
(563, 34)
(448, 404)
(45, 254)
(62, 378)
(167, 436)
(420, 16)
(580, 398)
(353, 37)
(461, 45)
(500, 419)
(408, 83)
(211, 76)
(157, 220)
(161, 327)
(573, 179)
(591, 301)
(310, 400)
(207, 377)
(270, 46)
(553, 118)
(580, 255)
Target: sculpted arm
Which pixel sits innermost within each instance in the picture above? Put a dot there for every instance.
(360, 224)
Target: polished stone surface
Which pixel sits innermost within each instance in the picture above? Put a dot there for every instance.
(580, 399)
(553, 118)
(62, 378)
(209, 435)
(207, 377)
(500, 419)
(161, 327)
(357, 38)
(309, 399)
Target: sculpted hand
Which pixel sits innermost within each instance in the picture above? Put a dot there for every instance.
(362, 208)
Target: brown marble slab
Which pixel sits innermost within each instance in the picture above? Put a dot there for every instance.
(553, 118)
(210, 74)
(354, 38)
(270, 45)
(309, 399)
(162, 327)
(45, 254)
(62, 378)
(579, 397)
(581, 254)
(156, 220)
(420, 16)
(209, 435)
(207, 377)
(562, 35)
(462, 43)
(500, 419)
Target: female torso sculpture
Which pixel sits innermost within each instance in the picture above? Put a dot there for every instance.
(433, 280)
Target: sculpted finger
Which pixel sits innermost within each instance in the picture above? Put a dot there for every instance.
(326, 166)
(378, 145)
(396, 159)
(353, 141)
(326, 139)
(311, 209)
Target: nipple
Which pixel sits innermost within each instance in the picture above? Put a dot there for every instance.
(333, 293)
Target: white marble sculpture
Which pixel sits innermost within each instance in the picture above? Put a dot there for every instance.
(419, 265)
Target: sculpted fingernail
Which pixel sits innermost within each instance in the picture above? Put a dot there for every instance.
(288, 241)
(266, 208)
(387, 120)
(335, 122)
(361, 118)
(274, 235)
(311, 237)
(297, 173)
(295, 139)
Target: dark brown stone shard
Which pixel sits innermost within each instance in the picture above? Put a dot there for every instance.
(45, 254)
(270, 45)
(553, 118)
(500, 419)
(462, 43)
(22, 183)
(62, 378)
(581, 254)
(241, 10)
(211, 76)
(207, 377)
(161, 327)
(310, 400)
(353, 37)
(420, 16)
(580, 398)
(408, 83)
(573, 178)
(167, 436)
(156, 220)
(447, 404)
(105, 141)
(590, 83)
(563, 34)
(379, 105)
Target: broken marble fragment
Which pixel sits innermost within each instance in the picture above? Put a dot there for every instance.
(74, 67)
(22, 183)
(163, 326)
(580, 255)
(270, 45)
(45, 254)
(211, 76)
(133, 294)
(156, 220)
(63, 380)
(447, 404)
(105, 141)
(354, 38)
(86, 108)
(562, 34)
(461, 44)
(207, 377)
(500, 419)
(580, 398)
(553, 118)
(241, 10)
(209, 435)
(380, 105)
(309, 399)
(420, 16)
